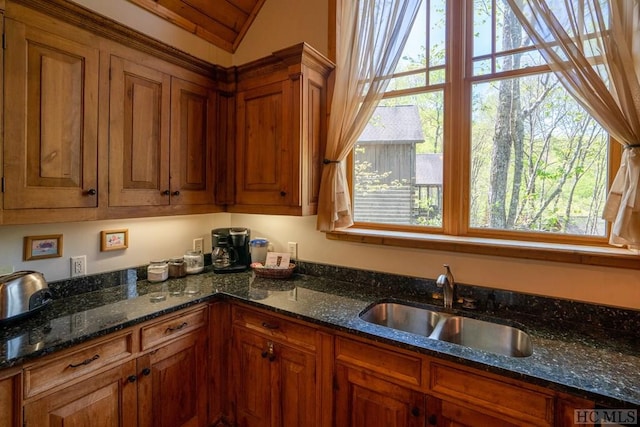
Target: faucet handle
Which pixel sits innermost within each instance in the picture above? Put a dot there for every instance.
(442, 280)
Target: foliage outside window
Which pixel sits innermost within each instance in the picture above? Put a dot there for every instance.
(479, 138)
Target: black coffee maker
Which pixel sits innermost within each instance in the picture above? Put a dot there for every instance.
(230, 249)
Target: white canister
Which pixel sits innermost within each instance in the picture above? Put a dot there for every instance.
(259, 248)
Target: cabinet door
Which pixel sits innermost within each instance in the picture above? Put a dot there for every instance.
(264, 159)
(192, 143)
(105, 400)
(275, 383)
(251, 379)
(172, 386)
(443, 413)
(140, 99)
(51, 120)
(10, 403)
(363, 400)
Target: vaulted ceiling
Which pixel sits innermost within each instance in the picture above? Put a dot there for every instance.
(221, 22)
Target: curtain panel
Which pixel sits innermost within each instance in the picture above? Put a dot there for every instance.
(593, 46)
(368, 49)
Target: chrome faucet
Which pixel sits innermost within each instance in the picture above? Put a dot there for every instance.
(448, 285)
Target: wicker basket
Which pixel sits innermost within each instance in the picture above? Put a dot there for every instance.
(273, 273)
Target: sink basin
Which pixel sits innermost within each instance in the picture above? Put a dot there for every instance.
(488, 336)
(402, 317)
(455, 329)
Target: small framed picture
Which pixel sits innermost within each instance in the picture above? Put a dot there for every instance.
(114, 240)
(40, 247)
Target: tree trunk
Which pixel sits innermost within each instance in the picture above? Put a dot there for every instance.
(508, 134)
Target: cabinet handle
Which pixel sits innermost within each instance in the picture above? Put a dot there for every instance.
(175, 193)
(146, 371)
(132, 378)
(269, 352)
(415, 411)
(92, 192)
(270, 325)
(433, 420)
(176, 328)
(166, 192)
(84, 362)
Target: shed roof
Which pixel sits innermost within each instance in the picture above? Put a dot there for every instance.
(398, 124)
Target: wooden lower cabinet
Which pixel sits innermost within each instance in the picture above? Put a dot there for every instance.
(377, 385)
(154, 375)
(277, 375)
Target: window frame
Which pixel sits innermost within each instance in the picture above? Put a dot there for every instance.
(455, 234)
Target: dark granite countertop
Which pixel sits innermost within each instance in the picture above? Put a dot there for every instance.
(590, 363)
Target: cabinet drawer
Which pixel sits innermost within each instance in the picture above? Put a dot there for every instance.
(275, 327)
(399, 367)
(499, 397)
(69, 366)
(169, 328)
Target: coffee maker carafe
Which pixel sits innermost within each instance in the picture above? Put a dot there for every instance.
(230, 249)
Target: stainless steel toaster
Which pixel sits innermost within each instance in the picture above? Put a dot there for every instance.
(21, 293)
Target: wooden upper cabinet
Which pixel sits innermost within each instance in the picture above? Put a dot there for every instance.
(162, 132)
(139, 135)
(281, 132)
(51, 119)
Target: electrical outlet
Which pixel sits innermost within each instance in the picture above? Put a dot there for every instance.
(78, 265)
(198, 244)
(293, 250)
(78, 321)
(6, 269)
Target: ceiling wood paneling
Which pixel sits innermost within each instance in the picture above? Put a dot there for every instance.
(221, 22)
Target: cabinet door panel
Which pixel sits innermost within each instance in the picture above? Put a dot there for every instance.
(106, 400)
(251, 377)
(363, 400)
(297, 385)
(51, 109)
(172, 386)
(139, 135)
(264, 157)
(192, 141)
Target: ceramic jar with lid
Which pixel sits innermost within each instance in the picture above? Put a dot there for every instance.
(158, 271)
(193, 262)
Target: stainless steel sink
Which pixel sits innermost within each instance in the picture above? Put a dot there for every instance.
(461, 330)
(402, 317)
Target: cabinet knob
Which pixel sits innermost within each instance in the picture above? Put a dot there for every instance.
(415, 411)
(166, 192)
(433, 420)
(92, 192)
(175, 193)
(269, 352)
(283, 193)
(146, 371)
(132, 378)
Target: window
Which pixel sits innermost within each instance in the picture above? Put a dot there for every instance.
(476, 137)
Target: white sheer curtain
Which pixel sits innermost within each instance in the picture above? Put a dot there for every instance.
(593, 46)
(372, 36)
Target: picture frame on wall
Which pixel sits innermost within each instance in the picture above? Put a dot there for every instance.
(42, 247)
(114, 240)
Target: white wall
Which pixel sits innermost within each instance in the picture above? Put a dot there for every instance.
(149, 238)
(283, 23)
